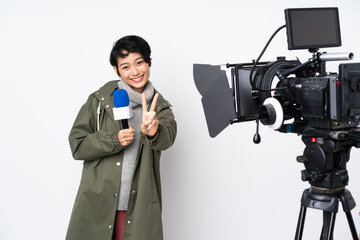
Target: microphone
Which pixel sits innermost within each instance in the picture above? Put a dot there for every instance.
(121, 110)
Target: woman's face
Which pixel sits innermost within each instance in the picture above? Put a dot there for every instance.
(134, 71)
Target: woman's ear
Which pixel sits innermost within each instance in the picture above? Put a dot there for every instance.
(116, 71)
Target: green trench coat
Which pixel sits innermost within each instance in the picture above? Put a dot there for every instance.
(93, 214)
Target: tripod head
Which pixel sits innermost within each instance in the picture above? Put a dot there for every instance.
(325, 157)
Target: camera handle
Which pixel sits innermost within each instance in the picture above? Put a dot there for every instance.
(317, 58)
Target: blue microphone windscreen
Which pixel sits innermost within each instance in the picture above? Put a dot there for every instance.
(120, 98)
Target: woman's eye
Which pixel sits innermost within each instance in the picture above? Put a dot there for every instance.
(125, 68)
(139, 62)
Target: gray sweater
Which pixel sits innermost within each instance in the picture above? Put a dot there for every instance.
(132, 150)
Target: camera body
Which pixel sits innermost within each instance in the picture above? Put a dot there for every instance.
(309, 95)
(330, 101)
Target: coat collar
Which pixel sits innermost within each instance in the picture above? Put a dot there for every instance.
(107, 90)
(104, 95)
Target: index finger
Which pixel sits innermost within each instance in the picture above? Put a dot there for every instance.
(144, 105)
(153, 104)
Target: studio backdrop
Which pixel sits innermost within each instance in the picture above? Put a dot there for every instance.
(53, 54)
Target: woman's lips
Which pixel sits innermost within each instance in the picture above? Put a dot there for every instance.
(138, 79)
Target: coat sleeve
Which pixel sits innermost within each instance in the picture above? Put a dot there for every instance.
(85, 142)
(166, 134)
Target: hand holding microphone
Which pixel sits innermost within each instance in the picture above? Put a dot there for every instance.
(126, 136)
(122, 112)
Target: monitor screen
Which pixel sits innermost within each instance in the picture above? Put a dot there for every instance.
(312, 28)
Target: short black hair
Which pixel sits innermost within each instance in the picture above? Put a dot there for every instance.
(130, 44)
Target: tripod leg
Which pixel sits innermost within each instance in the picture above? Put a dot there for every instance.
(300, 224)
(328, 225)
(351, 225)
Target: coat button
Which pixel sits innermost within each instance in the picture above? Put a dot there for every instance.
(133, 191)
(118, 164)
(102, 99)
(107, 106)
(115, 195)
(128, 222)
(110, 226)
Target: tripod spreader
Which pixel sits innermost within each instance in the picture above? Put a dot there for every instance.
(327, 201)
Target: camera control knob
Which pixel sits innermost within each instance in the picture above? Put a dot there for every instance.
(316, 175)
(305, 176)
(302, 159)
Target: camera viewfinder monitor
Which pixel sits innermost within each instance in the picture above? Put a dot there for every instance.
(312, 28)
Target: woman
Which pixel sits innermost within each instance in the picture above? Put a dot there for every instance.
(119, 196)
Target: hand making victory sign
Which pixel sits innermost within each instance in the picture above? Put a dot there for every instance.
(150, 123)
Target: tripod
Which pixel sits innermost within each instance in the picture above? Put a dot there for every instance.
(328, 202)
(325, 169)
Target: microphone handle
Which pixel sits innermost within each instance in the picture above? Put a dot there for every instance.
(124, 123)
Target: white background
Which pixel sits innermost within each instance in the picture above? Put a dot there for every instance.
(53, 54)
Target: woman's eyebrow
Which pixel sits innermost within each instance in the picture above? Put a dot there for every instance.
(128, 63)
(123, 64)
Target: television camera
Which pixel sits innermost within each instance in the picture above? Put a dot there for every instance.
(294, 97)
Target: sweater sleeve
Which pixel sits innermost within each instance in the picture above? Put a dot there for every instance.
(166, 133)
(85, 142)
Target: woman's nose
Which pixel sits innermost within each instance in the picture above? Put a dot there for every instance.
(135, 71)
